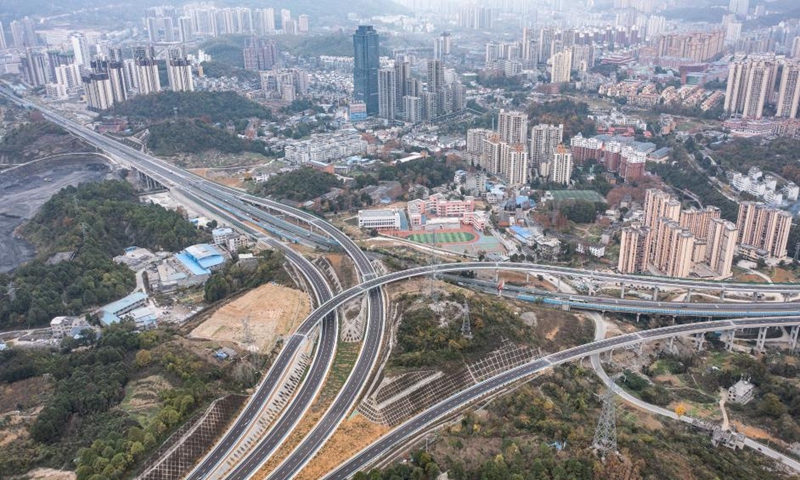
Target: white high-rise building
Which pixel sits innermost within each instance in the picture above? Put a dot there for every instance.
(561, 66)
(412, 106)
(544, 138)
(80, 47)
(514, 163)
(3, 44)
(513, 127)
(179, 72)
(789, 92)
(147, 76)
(561, 167)
(387, 93)
(751, 83)
(739, 7)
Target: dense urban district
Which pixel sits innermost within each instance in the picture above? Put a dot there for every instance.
(400, 239)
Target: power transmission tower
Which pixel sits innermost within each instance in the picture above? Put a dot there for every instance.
(466, 328)
(605, 436)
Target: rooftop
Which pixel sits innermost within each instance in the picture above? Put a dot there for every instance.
(377, 213)
(191, 264)
(124, 303)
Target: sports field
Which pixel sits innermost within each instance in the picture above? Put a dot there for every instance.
(586, 195)
(442, 237)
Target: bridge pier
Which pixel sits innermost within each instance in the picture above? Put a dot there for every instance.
(622, 291)
(671, 346)
(689, 295)
(762, 340)
(655, 293)
(755, 296)
(638, 316)
(699, 340)
(639, 351)
(730, 337)
(793, 338)
(722, 295)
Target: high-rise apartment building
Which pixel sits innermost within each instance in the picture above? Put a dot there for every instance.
(789, 91)
(435, 75)
(763, 229)
(387, 93)
(3, 44)
(751, 82)
(146, 71)
(99, 94)
(114, 72)
(673, 249)
(659, 204)
(514, 163)
(412, 107)
(302, 24)
(442, 46)
(634, 250)
(561, 66)
(560, 168)
(365, 67)
(179, 73)
(264, 21)
(260, 54)
(796, 47)
(721, 248)
(185, 30)
(402, 71)
(34, 68)
(544, 138)
(513, 127)
(739, 7)
(698, 221)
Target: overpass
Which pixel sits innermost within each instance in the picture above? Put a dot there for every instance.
(174, 178)
(394, 440)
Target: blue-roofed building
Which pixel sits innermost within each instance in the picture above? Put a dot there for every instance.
(521, 234)
(206, 256)
(115, 311)
(192, 265)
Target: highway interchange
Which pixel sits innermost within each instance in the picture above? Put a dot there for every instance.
(241, 209)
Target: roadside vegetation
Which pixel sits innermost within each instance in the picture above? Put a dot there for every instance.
(544, 430)
(107, 405)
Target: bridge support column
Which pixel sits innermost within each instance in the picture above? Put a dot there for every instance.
(638, 317)
(762, 340)
(497, 276)
(699, 340)
(655, 293)
(755, 296)
(591, 287)
(689, 295)
(639, 351)
(527, 277)
(722, 295)
(793, 338)
(671, 346)
(731, 336)
(622, 291)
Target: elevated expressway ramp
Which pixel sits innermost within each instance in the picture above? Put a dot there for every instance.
(395, 439)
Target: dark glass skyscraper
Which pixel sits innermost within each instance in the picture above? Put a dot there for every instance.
(365, 70)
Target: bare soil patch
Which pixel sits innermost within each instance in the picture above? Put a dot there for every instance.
(271, 311)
